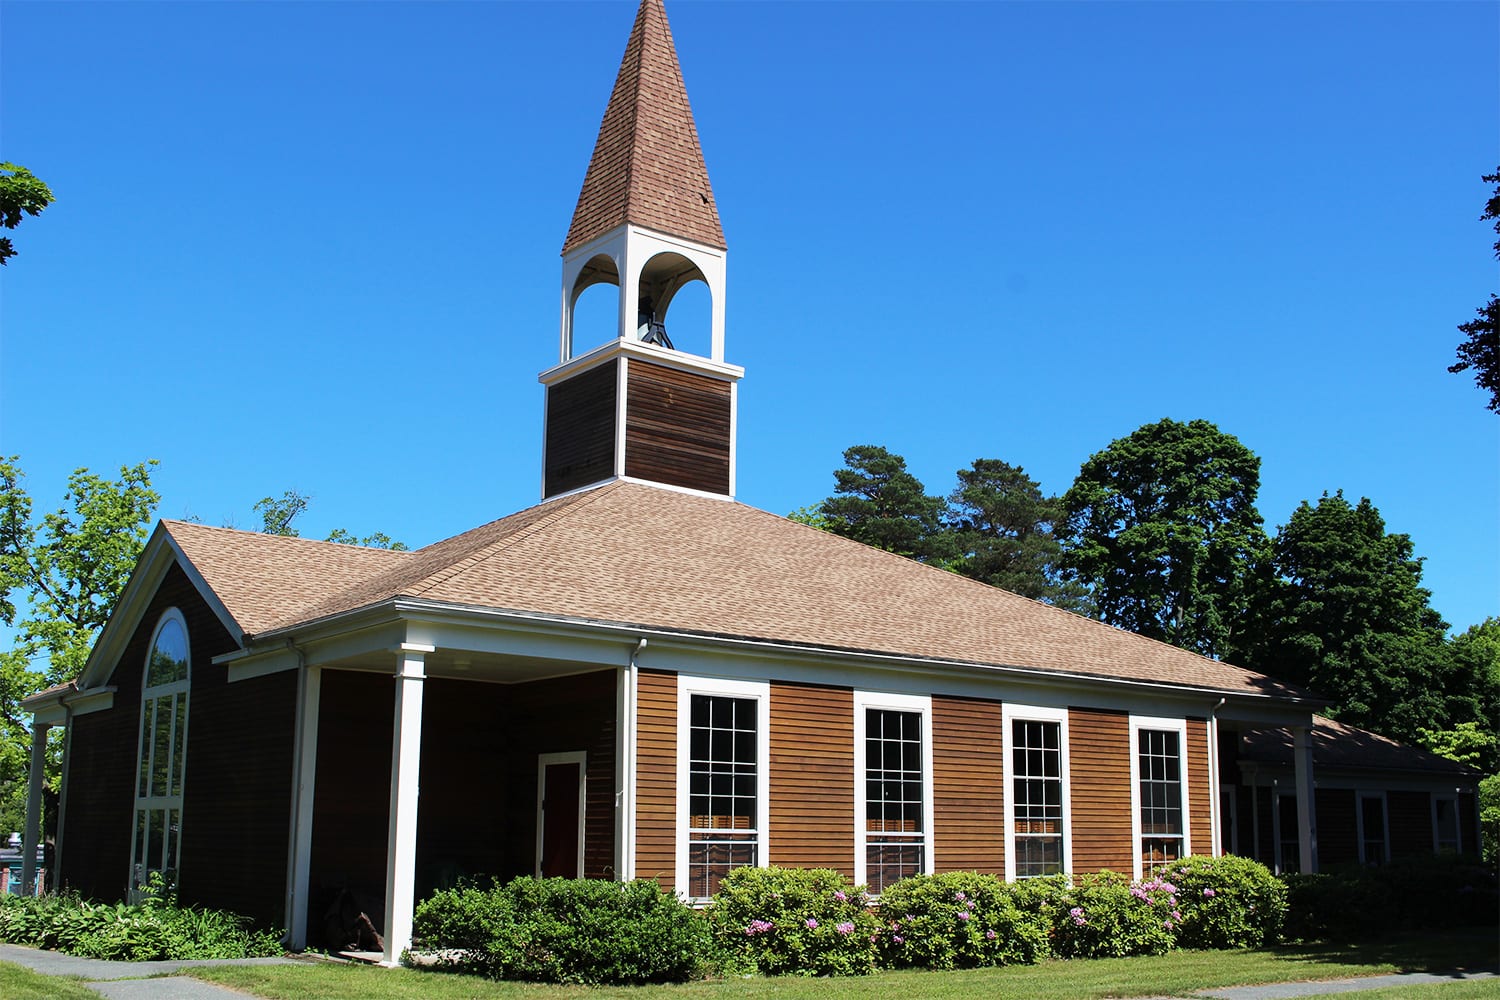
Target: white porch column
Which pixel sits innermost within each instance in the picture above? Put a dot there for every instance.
(33, 835)
(299, 868)
(406, 762)
(1307, 820)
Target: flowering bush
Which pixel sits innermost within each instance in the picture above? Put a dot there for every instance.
(567, 931)
(793, 921)
(1105, 916)
(1355, 903)
(957, 920)
(1226, 902)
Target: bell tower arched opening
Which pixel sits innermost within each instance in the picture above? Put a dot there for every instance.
(671, 284)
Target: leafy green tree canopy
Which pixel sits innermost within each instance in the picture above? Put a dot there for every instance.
(1480, 349)
(1347, 616)
(1003, 527)
(21, 193)
(1161, 526)
(876, 501)
(277, 515)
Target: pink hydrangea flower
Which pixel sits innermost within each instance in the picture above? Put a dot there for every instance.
(845, 928)
(990, 935)
(758, 927)
(811, 924)
(1209, 893)
(1077, 914)
(840, 896)
(964, 915)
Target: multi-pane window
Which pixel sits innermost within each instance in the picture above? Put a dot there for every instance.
(1289, 848)
(723, 779)
(895, 841)
(1160, 768)
(162, 755)
(1037, 794)
(1446, 837)
(1372, 835)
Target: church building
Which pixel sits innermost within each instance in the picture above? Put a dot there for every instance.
(640, 676)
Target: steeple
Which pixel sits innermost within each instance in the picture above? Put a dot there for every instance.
(634, 407)
(647, 166)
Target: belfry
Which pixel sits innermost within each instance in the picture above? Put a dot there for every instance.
(646, 223)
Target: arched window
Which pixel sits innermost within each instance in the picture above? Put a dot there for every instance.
(163, 745)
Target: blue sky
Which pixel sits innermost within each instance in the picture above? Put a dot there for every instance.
(315, 246)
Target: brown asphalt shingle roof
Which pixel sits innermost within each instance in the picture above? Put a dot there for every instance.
(1336, 745)
(637, 555)
(647, 166)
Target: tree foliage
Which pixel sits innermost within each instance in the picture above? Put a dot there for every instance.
(1346, 615)
(1480, 350)
(277, 514)
(1161, 526)
(876, 501)
(1003, 527)
(21, 193)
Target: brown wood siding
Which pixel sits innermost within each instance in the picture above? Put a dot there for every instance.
(559, 716)
(102, 759)
(351, 795)
(580, 438)
(968, 785)
(1410, 816)
(656, 777)
(1099, 761)
(1338, 830)
(462, 818)
(1199, 789)
(677, 427)
(237, 792)
(812, 777)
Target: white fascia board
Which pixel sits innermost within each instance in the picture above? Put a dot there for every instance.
(612, 349)
(55, 708)
(156, 558)
(752, 658)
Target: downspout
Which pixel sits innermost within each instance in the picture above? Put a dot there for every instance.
(625, 766)
(295, 812)
(1215, 784)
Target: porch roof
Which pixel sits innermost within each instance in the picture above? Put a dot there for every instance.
(1335, 745)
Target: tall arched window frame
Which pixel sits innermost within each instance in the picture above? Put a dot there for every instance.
(162, 754)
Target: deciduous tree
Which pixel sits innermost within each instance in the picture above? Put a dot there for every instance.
(21, 193)
(1161, 527)
(1346, 615)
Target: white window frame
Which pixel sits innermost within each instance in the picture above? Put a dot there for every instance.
(883, 701)
(722, 687)
(1360, 797)
(1458, 822)
(166, 803)
(1160, 724)
(1009, 714)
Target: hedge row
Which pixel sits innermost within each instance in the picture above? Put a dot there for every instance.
(813, 922)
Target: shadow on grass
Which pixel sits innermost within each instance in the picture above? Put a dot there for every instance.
(1467, 949)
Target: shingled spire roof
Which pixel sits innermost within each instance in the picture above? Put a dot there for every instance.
(647, 166)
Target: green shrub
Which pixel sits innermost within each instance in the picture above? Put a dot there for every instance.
(1226, 902)
(566, 931)
(1107, 916)
(793, 921)
(1364, 903)
(958, 920)
(153, 930)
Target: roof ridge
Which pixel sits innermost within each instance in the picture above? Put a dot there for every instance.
(274, 539)
(578, 502)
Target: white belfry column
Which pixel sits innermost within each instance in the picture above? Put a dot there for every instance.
(406, 763)
(1307, 820)
(33, 835)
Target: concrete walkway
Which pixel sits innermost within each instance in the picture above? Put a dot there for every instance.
(127, 980)
(1329, 987)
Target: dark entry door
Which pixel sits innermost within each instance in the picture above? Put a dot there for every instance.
(560, 821)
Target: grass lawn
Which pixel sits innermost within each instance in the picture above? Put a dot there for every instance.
(17, 983)
(1177, 974)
